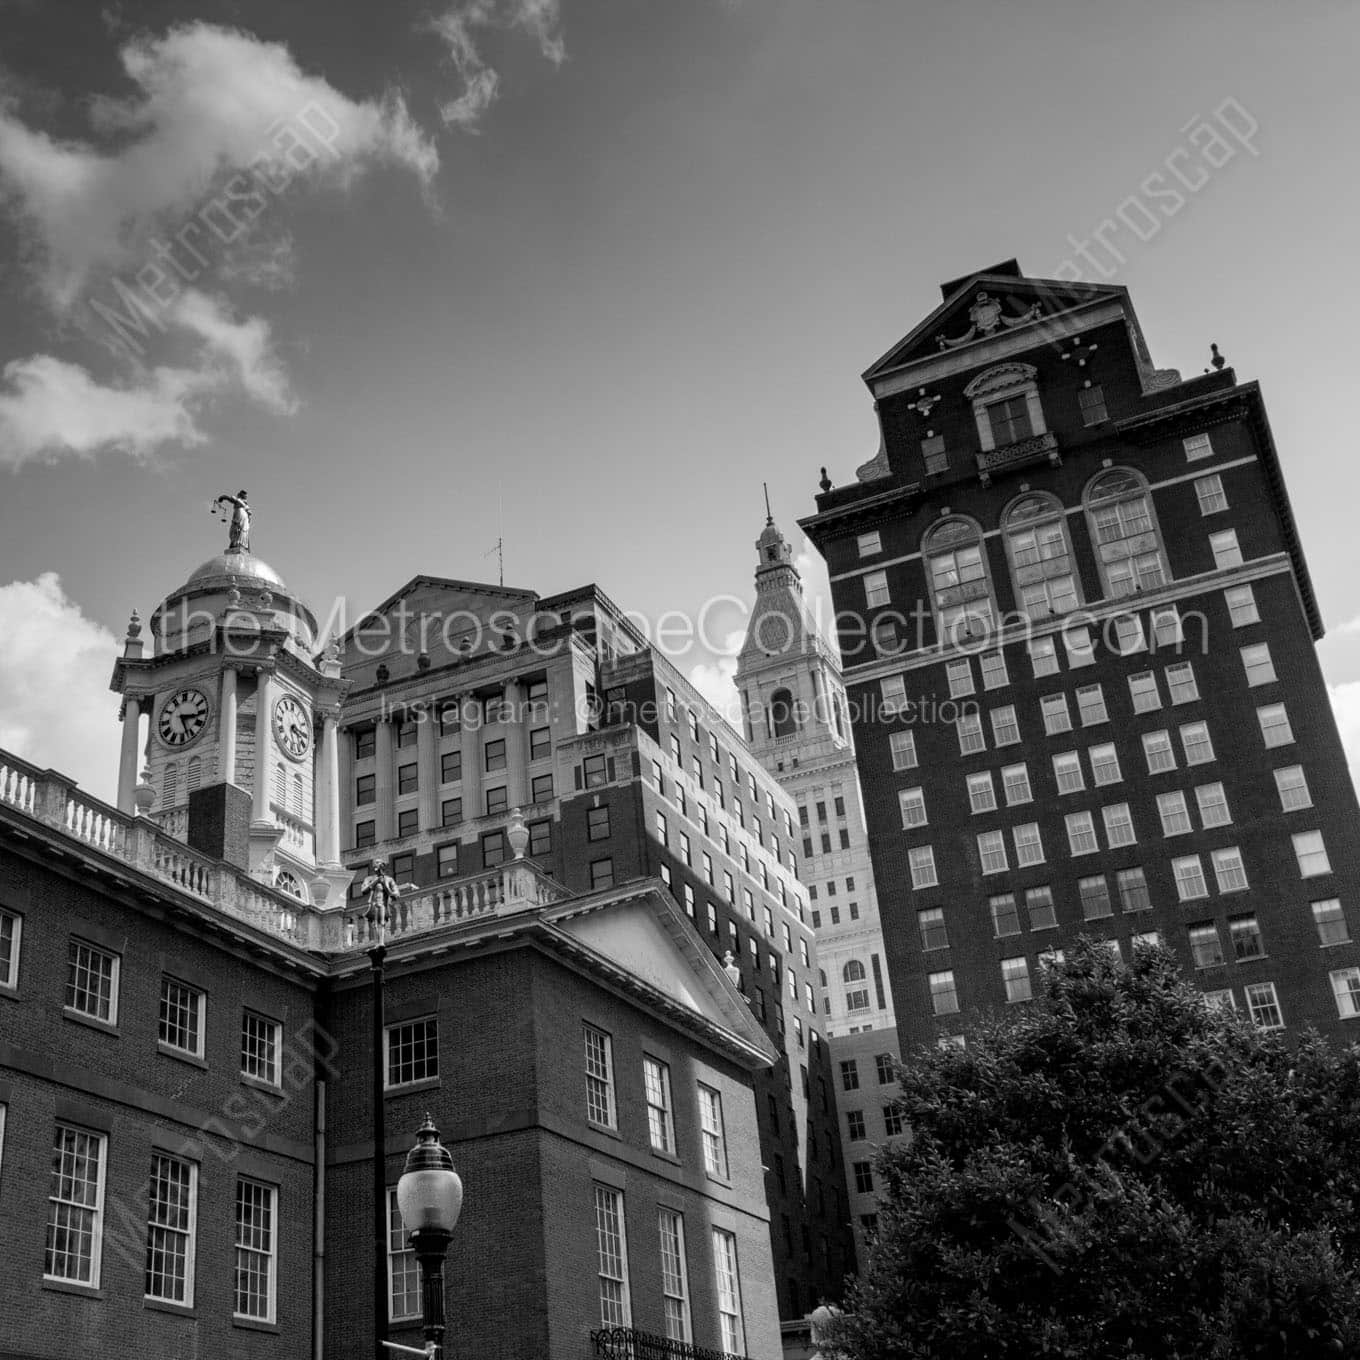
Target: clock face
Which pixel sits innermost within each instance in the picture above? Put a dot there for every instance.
(292, 727)
(183, 717)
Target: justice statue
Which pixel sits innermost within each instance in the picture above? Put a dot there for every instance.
(238, 535)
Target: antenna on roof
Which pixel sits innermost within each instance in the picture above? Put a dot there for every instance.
(769, 516)
(499, 548)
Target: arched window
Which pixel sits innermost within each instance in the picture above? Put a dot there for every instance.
(193, 775)
(1040, 554)
(297, 805)
(286, 881)
(1128, 546)
(170, 785)
(281, 785)
(783, 715)
(853, 971)
(960, 588)
(856, 989)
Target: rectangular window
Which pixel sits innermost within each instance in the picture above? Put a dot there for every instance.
(172, 1207)
(856, 1132)
(1220, 999)
(256, 1264)
(451, 812)
(1080, 648)
(446, 860)
(1128, 634)
(902, 748)
(365, 743)
(1190, 880)
(75, 1216)
(599, 1058)
(960, 677)
(943, 997)
(540, 839)
(1056, 716)
(1311, 854)
(921, 860)
(1275, 728)
(869, 544)
(1197, 446)
(1241, 602)
(597, 823)
(612, 1249)
(366, 790)
(412, 1052)
(971, 739)
(930, 922)
(365, 835)
(729, 1292)
(408, 823)
(935, 454)
(497, 800)
(981, 794)
(1133, 889)
(1005, 727)
(1195, 742)
(403, 1270)
(713, 1134)
(602, 872)
(1160, 754)
(1081, 833)
(1067, 771)
(493, 755)
(261, 1041)
(1167, 630)
(1091, 403)
(994, 674)
(893, 692)
(450, 767)
(1005, 917)
(850, 1074)
(1180, 683)
(1095, 897)
(1264, 1006)
(1292, 785)
(1009, 420)
(1206, 947)
(674, 1277)
(1104, 765)
(1256, 662)
(1346, 990)
(1144, 692)
(912, 803)
(894, 1121)
(1225, 549)
(1245, 934)
(92, 982)
(540, 743)
(1015, 783)
(1029, 847)
(11, 932)
(1330, 922)
(1175, 815)
(876, 589)
(1091, 705)
(885, 1069)
(1209, 491)
(992, 852)
(656, 1078)
(1039, 905)
(1229, 870)
(1015, 975)
(408, 778)
(1043, 656)
(1213, 806)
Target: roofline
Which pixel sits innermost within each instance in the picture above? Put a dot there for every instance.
(448, 582)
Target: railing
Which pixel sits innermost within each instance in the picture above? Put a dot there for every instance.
(627, 1343)
(1036, 448)
(297, 834)
(173, 821)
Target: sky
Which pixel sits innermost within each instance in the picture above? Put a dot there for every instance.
(584, 274)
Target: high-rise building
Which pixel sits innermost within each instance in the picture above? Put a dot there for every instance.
(472, 708)
(796, 721)
(1078, 633)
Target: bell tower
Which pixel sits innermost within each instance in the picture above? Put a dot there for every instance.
(240, 757)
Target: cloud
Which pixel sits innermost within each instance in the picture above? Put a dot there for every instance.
(458, 27)
(246, 345)
(1345, 699)
(210, 104)
(716, 679)
(55, 704)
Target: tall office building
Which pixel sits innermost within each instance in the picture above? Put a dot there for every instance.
(1078, 632)
(794, 710)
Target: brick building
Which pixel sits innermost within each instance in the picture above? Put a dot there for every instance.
(1078, 633)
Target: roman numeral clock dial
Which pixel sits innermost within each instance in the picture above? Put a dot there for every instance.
(183, 717)
(292, 727)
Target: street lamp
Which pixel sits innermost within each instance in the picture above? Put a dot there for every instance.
(430, 1197)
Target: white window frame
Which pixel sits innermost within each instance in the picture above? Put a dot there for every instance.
(269, 1254)
(1226, 549)
(869, 544)
(187, 1234)
(1159, 744)
(1015, 780)
(712, 1132)
(921, 861)
(1081, 826)
(1119, 829)
(1274, 1003)
(1265, 717)
(1244, 605)
(1323, 916)
(1213, 798)
(76, 1209)
(1198, 728)
(1016, 980)
(876, 592)
(1346, 992)
(1029, 844)
(993, 668)
(1174, 812)
(1197, 446)
(1209, 492)
(611, 1256)
(601, 1106)
(940, 989)
(902, 750)
(1005, 726)
(1066, 765)
(727, 1278)
(959, 677)
(1188, 873)
(1301, 855)
(1257, 664)
(912, 805)
(991, 847)
(392, 1036)
(656, 1081)
(1289, 779)
(1056, 713)
(199, 1000)
(76, 943)
(1144, 694)
(972, 739)
(1230, 870)
(9, 978)
(1104, 758)
(675, 1308)
(1085, 710)
(981, 792)
(402, 1266)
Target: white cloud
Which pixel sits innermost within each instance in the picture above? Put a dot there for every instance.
(245, 345)
(56, 709)
(458, 26)
(716, 679)
(1345, 699)
(209, 103)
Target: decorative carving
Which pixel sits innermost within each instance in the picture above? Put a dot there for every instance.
(986, 316)
(923, 404)
(1081, 353)
(1038, 448)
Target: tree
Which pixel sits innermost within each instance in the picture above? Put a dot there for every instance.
(1118, 1169)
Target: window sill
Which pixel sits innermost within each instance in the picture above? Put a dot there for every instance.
(180, 1055)
(604, 1129)
(80, 1018)
(254, 1325)
(166, 1306)
(12, 993)
(725, 1181)
(84, 1291)
(407, 1088)
(259, 1084)
(669, 1157)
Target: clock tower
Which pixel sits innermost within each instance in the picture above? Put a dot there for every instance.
(240, 752)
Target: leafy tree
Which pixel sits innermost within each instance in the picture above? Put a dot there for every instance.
(1118, 1170)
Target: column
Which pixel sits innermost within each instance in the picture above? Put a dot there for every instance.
(517, 746)
(226, 727)
(382, 768)
(427, 760)
(127, 761)
(328, 792)
(470, 736)
(259, 810)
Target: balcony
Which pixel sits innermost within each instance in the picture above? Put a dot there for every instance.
(627, 1343)
(1036, 448)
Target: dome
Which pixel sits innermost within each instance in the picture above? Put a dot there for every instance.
(244, 566)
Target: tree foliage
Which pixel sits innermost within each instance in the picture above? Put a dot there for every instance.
(1118, 1170)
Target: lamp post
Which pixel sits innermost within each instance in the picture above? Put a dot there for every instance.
(430, 1197)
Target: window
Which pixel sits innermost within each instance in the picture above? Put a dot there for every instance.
(1056, 717)
(256, 1250)
(1104, 765)
(857, 990)
(876, 589)
(92, 982)
(1175, 815)
(366, 790)
(446, 860)
(864, 1177)
(602, 872)
(412, 1052)
(854, 1126)
(1292, 785)
(408, 823)
(1264, 1006)
(1043, 656)
(1158, 751)
(1195, 742)
(1091, 705)
(971, 739)
(994, 671)
(1005, 917)
(1091, 403)
(959, 585)
(729, 1292)
(75, 1215)
(599, 1057)
(1040, 556)
(921, 860)
(1246, 938)
(935, 454)
(711, 1130)
(403, 1270)
(365, 835)
(674, 1278)
(1275, 728)
(1225, 549)
(1133, 889)
(930, 922)
(656, 1077)
(1346, 990)
(1095, 897)
(1119, 513)
(597, 823)
(261, 1041)
(1213, 805)
(1220, 1000)
(1009, 421)
(540, 839)
(902, 748)
(612, 1247)
(408, 778)
(1241, 602)
(1080, 649)
(1081, 833)
(406, 734)
(1029, 848)
(1039, 904)
(960, 677)
(992, 852)
(981, 794)
(172, 1195)
(595, 770)
(1330, 922)
(850, 1074)
(1015, 783)
(1256, 662)
(1197, 446)
(912, 803)
(1144, 692)
(1128, 634)
(869, 544)
(1015, 975)
(402, 867)
(1067, 772)
(1209, 491)
(894, 1121)
(365, 743)
(1167, 630)
(1189, 875)
(1311, 854)
(1206, 948)
(893, 691)
(782, 718)
(11, 931)
(885, 1069)
(1005, 728)
(943, 996)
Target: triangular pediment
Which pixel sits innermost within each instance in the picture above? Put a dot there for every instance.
(984, 306)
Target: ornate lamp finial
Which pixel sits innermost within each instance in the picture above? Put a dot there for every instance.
(134, 626)
(1218, 360)
(825, 483)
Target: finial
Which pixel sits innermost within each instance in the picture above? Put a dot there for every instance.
(769, 514)
(825, 483)
(1218, 360)
(382, 675)
(134, 626)
(144, 795)
(234, 594)
(423, 661)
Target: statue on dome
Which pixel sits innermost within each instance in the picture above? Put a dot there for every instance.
(238, 534)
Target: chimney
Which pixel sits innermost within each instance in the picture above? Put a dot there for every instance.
(219, 823)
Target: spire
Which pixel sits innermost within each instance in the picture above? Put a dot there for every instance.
(769, 514)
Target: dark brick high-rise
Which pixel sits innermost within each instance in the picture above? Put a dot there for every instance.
(1078, 633)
